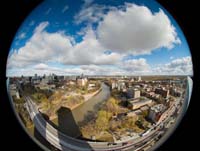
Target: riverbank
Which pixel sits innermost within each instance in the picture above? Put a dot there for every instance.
(87, 109)
(86, 98)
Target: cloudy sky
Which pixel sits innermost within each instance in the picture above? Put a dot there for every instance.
(99, 37)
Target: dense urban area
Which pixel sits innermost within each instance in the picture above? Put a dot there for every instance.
(114, 109)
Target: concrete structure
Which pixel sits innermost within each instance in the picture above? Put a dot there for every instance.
(121, 86)
(35, 79)
(91, 86)
(162, 91)
(137, 104)
(132, 93)
(114, 85)
(156, 111)
(45, 80)
(148, 89)
(144, 108)
(14, 91)
(64, 142)
(136, 93)
(139, 79)
(131, 114)
(81, 81)
(152, 95)
(71, 82)
(175, 92)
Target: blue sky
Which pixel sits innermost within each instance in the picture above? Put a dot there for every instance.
(133, 37)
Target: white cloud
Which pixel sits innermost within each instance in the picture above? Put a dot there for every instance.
(136, 30)
(65, 8)
(87, 2)
(101, 70)
(41, 47)
(136, 66)
(89, 13)
(129, 67)
(180, 66)
(42, 69)
(41, 66)
(89, 51)
(44, 47)
(21, 36)
(125, 30)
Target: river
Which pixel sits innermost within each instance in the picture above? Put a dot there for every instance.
(68, 121)
(92, 105)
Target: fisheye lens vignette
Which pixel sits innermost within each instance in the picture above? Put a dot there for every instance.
(100, 75)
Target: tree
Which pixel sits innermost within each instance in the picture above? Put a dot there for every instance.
(112, 106)
(142, 123)
(145, 113)
(102, 121)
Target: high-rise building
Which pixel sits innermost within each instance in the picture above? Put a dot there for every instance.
(114, 85)
(121, 85)
(139, 79)
(132, 93)
(136, 93)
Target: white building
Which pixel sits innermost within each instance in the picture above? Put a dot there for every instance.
(121, 86)
(114, 85)
(91, 86)
(136, 93)
(156, 111)
(82, 81)
(139, 103)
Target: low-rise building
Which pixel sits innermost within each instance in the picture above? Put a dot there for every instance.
(139, 79)
(14, 91)
(136, 93)
(81, 81)
(137, 104)
(156, 111)
(91, 86)
(121, 86)
(46, 86)
(114, 85)
(175, 92)
(71, 82)
(132, 93)
(144, 108)
(163, 92)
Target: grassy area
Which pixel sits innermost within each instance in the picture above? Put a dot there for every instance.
(49, 102)
(21, 111)
(30, 130)
(105, 123)
(105, 136)
(142, 123)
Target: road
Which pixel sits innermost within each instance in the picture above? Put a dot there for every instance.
(66, 143)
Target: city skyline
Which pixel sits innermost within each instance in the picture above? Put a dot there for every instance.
(69, 39)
